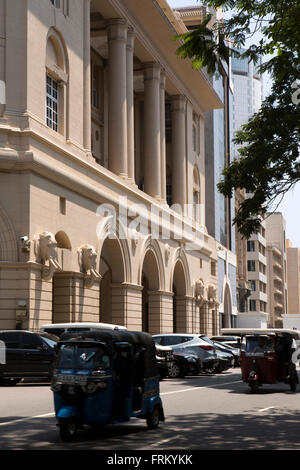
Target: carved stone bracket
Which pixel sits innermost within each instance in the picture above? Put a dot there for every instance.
(87, 258)
(200, 292)
(45, 247)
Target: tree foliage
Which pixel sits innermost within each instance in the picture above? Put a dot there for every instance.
(268, 164)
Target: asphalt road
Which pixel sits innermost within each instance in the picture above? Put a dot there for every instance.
(215, 412)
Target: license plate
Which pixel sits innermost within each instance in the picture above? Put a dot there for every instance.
(73, 379)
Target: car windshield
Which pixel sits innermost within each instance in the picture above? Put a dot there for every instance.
(82, 356)
(49, 341)
(258, 344)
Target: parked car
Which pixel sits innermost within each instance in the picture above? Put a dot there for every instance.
(26, 355)
(165, 359)
(205, 351)
(184, 364)
(234, 341)
(209, 359)
(226, 361)
(229, 349)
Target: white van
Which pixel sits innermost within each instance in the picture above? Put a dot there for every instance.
(59, 328)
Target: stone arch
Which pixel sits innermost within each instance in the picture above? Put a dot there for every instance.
(116, 234)
(153, 246)
(115, 268)
(8, 240)
(181, 288)
(180, 255)
(56, 51)
(227, 306)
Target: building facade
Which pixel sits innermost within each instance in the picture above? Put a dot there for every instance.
(293, 278)
(102, 169)
(252, 261)
(219, 210)
(277, 269)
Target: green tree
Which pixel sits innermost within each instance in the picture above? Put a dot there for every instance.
(268, 165)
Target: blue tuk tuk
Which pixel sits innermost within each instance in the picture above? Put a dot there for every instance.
(103, 377)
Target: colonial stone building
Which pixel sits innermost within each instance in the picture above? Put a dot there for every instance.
(102, 169)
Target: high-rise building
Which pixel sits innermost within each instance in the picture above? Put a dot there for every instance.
(292, 318)
(277, 269)
(219, 210)
(293, 278)
(247, 99)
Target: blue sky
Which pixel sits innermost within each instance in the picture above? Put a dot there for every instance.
(291, 201)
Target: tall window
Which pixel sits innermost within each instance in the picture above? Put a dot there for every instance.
(52, 103)
(251, 265)
(250, 245)
(196, 194)
(252, 305)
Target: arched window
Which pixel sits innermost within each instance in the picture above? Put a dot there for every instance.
(56, 83)
(196, 194)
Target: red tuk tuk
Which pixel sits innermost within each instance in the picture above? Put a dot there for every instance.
(266, 358)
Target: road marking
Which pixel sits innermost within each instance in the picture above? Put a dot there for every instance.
(198, 388)
(162, 442)
(47, 415)
(27, 419)
(266, 409)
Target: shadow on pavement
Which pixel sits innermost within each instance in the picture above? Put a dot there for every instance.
(276, 430)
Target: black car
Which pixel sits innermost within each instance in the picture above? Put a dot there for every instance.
(25, 355)
(223, 347)
(184, 364)
(164, 359)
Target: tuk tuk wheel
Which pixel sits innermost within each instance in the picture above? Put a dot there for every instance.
(67, 430)
(254, 387)
(153, 419)
(293, 385)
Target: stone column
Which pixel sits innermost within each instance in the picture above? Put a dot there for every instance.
(126, 305)
(152, 163)
(86, 78)
(2, 55)
(130, 105)
(117, 97)
(179, 151)
(163, 137)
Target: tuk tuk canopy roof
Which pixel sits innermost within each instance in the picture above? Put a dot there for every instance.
(266, 331)
(135, 338)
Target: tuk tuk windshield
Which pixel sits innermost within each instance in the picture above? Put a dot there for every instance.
(257, 344)
(82, 356)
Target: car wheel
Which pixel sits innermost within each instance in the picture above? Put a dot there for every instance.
(175, 371)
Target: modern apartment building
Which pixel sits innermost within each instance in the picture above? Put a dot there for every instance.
(252, 287)
(277, 269)
(102, 169)
(293, 278)
(219, 210)
(292, 318)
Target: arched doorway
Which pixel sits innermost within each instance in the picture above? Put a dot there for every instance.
(150, 300)
(179, 289)
(112, 271)
(227, 308)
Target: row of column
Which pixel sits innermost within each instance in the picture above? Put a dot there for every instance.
(121, 119)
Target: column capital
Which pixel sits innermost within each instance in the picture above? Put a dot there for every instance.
(162, 79)
(151, 70)
(117, 29)
(178, 103)
(130, 37)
